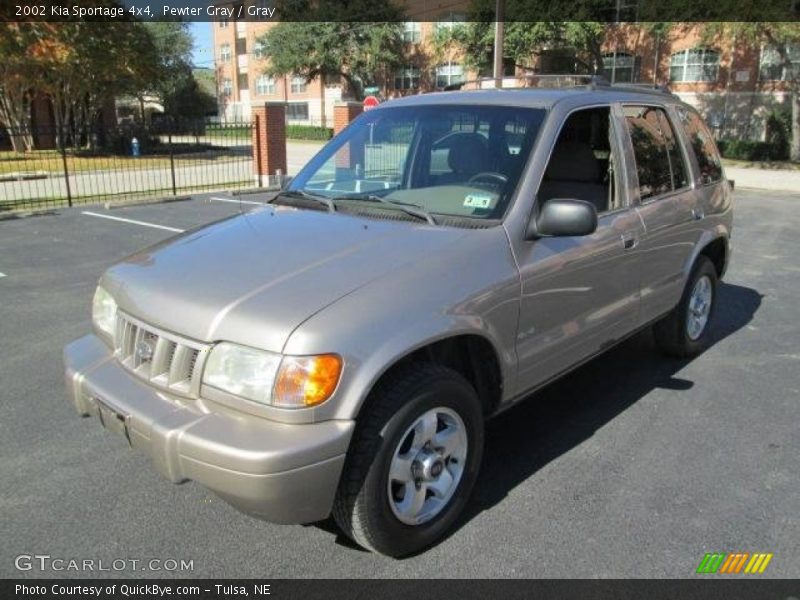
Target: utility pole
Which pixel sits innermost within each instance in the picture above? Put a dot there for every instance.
(499, 34)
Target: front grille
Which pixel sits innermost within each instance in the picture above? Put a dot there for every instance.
(166, 360)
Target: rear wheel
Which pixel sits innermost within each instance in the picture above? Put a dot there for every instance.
(413, 460)
(684, 331)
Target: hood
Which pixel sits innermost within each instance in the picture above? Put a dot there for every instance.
(254, 278)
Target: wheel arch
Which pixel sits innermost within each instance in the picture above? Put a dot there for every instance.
(715, 245)
(469, 353)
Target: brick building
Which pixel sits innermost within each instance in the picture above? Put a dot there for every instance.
(734, 85)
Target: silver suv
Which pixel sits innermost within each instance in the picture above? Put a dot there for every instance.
(339, 350)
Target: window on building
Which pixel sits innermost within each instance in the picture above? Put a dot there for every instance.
(265, 85)
(448, 74)
(241, 46)
(774, 66)
(703, 146)
(227, 87)
(297, 111)
(223, 23)
(620, 67)
(695, 64)
(449, 21)
(298, 85)
(241, 81)
(412, 32)
(260, 49)
(225, 53)
(407, 78)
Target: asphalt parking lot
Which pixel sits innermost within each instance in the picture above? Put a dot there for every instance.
(633, 466)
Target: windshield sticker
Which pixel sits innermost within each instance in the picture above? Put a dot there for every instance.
(477, 201)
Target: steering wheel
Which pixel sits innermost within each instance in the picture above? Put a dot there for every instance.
(488, 175)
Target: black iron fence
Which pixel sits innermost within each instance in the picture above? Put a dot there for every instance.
(47, 168)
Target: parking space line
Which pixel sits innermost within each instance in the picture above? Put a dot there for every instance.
(133, 221)
(2, 274)
(232, 201)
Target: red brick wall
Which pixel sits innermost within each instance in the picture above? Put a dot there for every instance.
(343, 114)
(269, 141)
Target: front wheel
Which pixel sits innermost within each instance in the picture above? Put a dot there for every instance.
(684, 331)
(413, 460)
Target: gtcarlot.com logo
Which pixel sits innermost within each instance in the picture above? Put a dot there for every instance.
(46, 562)
(734, 563)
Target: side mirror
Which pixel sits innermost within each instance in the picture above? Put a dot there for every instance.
(561, 217)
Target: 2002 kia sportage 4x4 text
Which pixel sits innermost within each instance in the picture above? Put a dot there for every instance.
(339, 350)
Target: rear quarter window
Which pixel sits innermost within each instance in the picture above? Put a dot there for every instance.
(702, 144)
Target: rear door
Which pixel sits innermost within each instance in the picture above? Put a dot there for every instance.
(667, 205)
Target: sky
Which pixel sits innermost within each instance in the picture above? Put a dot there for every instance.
(203, 52)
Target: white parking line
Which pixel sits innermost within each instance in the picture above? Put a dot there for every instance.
(232, 201)
(2, 274)
(133, 221)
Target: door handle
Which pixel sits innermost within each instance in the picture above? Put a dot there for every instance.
(629, 240)
(698, 214)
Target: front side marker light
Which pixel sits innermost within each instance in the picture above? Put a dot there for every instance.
(305, 381)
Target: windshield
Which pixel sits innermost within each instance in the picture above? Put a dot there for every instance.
(458, 161)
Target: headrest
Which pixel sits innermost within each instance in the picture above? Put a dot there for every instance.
(468, 154)
(573, 161)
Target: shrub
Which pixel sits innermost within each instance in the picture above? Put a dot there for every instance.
(308, 132)
(750, 150)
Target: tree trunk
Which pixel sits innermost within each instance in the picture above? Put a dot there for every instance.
(794, 150)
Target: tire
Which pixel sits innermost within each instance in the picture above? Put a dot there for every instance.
(678, 335)
(378, 513)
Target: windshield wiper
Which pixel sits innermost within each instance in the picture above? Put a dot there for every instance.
(301, 194)
(415, 210)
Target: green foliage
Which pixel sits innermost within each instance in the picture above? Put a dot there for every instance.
(308, 132)
(328, 43)
(523, 42)
(779, 129)
(754, 151)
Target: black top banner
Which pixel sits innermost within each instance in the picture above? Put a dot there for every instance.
(399, 11)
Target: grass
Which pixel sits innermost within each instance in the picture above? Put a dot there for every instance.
(235, 131)
(773, 165)
(50, 161)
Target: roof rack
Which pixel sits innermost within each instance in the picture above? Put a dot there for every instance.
(559, 80)
(535, 80)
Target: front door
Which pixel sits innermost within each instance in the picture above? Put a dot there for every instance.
(579, 294)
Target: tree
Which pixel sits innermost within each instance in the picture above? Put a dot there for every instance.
(18, 44)
(524, 41)
(173, 81)
(783, 38)
(334, 41)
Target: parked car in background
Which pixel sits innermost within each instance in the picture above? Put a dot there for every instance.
(446, 255)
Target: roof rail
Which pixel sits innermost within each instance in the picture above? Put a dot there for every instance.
(644, 88)
(559, 80)
(537, 80)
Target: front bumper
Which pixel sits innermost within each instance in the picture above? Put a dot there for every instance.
(282, 473)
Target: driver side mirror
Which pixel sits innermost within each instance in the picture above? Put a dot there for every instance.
(561, 217)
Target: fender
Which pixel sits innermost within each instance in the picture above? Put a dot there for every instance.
(708, 236)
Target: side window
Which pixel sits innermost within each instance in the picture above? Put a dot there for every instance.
(650, 150)
(582, 165)
(680, 174)
(702, 145)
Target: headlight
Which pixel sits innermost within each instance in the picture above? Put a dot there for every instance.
(104, 311)
(267, 378)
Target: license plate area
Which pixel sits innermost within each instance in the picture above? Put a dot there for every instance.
(112, 419)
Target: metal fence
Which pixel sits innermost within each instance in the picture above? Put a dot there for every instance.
(47, 168)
